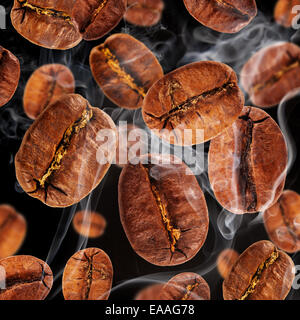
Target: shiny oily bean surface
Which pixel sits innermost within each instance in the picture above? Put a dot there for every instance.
(283, 12)
(151, 292)
(203, 97)
(163, 210)
(88, 275)
(9, 75)
(95, 18)
(227, 16)
(186, 286)
(45, 85)
(57, 161)
(225, 261)
(125, 69)
(282, 222)
(247, 163)
(271, 73)
(144, 13)
(261, 273)
(89, 224)
(46, 23)
(24, 278)
(12, 230)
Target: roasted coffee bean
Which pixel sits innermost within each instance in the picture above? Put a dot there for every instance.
(186, 286)
(24, 278)
(227, 16)
(283, 12)
(271, 73)
(225, 261)
(88, 275)
(163, 210)
(129, 136)
(200, 96)
(151, 292)
(58, 160)
(282, 222)
(125, 69)
(89, 224)
(247, 163)
(144, 13)
(12, 231)
(261, 273)
(45, 85)
(47, 23)
(9, 75)
(95, 18)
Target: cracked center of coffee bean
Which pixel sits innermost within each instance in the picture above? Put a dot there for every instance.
(246, 179)
(114, 64)
(276, 76)
(43, 11)
(62, 148)
(173, 233)
(189, 290)
(256, 277)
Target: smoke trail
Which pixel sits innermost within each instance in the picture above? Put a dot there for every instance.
(283, 123)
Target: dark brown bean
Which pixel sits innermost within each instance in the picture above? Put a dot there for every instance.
(89, 224)
(225, 261)
(47, 23)
(144, 13)
(163, 210)
(271, 73)
(151, 292)
(88, 275)
(283, 12)
(45, 85)
(9, 75)
(12, 230)
(200, 96)
(247, 163)
(282, 221)
(24, 278)
(95, 18)
(57, 162)
(260, 273)
(186, 286)
(125, 69)
(227, 16)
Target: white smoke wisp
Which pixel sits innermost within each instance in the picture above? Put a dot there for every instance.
(228, 224)
(283, 123)
(234, 49)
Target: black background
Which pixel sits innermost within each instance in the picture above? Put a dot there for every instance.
(172, 41)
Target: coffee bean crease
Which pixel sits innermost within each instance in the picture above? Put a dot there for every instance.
(115, 65)
(233, 10)
(290, 226)
(90, 271)
(189, 289)
(173, 233)
(54, 83)
(246, 178)
(94, 15)
(14, 282)
(25, 5)
(295, 63)
(190, 103)
(61, 151)
(256, 277)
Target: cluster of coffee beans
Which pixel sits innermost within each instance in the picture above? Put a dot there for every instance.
(162, 207)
